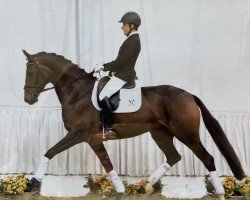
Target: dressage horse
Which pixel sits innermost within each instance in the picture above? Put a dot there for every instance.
(166, 112)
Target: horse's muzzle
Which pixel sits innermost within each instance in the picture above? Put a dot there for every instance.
(30, 101)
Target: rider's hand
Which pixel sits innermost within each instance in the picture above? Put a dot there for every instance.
(100, 74)
(98, 68)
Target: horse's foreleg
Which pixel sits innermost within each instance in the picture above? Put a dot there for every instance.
(102, 154)
(68, 141)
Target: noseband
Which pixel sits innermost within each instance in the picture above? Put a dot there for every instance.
(38, 87)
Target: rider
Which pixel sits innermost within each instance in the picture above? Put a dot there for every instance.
(122, 68)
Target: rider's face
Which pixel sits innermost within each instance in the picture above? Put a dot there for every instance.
(125, 28)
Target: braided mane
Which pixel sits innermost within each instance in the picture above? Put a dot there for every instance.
(54, 55)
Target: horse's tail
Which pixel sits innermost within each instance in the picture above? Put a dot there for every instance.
(221, 140)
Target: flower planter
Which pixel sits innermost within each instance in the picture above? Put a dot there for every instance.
(235, 198)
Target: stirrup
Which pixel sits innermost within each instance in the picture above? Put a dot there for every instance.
(107, 131)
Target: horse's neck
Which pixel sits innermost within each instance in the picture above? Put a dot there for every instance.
(60, 70)
(72, 82)
(67, 75)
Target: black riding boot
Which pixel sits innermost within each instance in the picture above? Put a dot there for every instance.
(107, 114)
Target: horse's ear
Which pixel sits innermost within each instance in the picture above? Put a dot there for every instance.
(28, 56)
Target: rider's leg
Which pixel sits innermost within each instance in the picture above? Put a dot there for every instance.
(106, 113)
(113, 86)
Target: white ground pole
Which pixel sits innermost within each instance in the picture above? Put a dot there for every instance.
(157, 175)
(173, 186)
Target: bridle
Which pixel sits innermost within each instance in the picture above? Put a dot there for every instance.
(38, 87)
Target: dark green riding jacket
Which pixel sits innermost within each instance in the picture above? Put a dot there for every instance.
(124, 64)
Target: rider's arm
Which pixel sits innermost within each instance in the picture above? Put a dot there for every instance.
(126, 52)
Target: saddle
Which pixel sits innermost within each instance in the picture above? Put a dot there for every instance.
(127, 100)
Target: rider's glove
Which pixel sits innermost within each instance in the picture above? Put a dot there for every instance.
(98, 68)
(100, 74)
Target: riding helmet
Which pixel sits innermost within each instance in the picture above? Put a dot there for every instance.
(131, 18)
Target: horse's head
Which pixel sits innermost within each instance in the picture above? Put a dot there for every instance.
(37, 77)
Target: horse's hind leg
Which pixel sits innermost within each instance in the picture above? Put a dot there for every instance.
(165, 142)
(199, 150)
(185, 127)
(102, 154)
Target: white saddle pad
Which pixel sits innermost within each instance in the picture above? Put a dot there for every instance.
(130, 99)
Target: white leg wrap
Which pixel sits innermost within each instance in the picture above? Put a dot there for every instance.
(159, 173)
(41, 169)
(216, 182)
(119, 187)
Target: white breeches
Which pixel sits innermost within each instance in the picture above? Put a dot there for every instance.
(113, 86)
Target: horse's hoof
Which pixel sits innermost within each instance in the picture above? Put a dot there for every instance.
(149, 189)
(33, 186)
(118, 196)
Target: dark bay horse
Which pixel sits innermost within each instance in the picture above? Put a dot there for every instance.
(166, 112)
